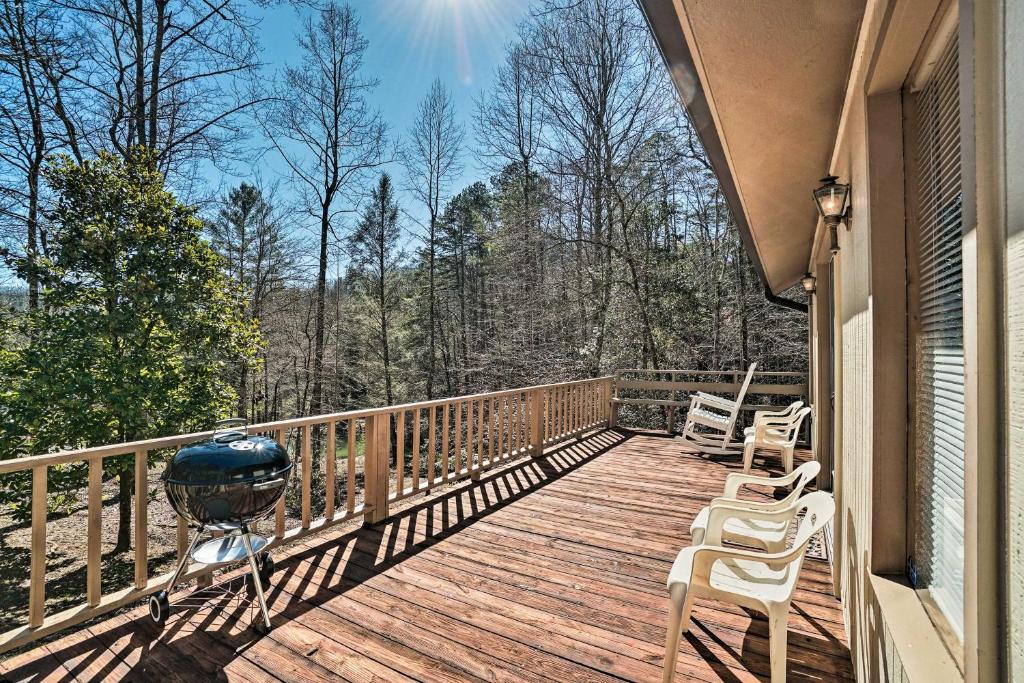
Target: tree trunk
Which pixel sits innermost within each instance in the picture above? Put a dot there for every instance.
(125, 487)
(432, 314)
(316, 399)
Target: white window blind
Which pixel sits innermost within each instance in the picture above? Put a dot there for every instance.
(938, 552)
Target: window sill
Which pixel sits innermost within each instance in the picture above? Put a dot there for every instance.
(917, 642)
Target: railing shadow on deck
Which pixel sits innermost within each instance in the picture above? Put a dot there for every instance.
(308, 578)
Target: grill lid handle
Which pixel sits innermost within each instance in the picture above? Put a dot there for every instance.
(221, 425)
(269, 484)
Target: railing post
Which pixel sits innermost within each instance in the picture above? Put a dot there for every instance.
(537, 422)
(94, 528)
(375, 463)
(672, 409)
(306, 457)
(611, 408)
(141, 510)
(37, 565)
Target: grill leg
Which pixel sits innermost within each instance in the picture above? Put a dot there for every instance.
(184, 561)
(257, 582)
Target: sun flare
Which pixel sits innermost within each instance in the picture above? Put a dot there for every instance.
(452, 24)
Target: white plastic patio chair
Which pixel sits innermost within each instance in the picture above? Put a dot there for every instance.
(763, 534)
(775, 434)
(748, 578)
(770, 414)
(711, 420)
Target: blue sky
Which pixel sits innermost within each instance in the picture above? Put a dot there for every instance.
(411, 42)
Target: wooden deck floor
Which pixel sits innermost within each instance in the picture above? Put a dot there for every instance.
(550, 570)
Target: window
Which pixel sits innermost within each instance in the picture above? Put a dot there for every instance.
(937, 561)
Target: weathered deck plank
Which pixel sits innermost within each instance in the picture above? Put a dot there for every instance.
(549, 570)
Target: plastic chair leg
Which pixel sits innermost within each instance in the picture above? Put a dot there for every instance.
(777, 633)
(748, 456)
(677, 597)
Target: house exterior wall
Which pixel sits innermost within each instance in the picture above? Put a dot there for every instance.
(891, 634)
(1007, 135)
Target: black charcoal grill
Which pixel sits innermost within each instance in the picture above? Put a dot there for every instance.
(224, 484)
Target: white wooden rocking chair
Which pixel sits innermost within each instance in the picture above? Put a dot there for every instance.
(711, 420)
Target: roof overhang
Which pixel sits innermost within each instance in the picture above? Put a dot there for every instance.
(764, 84)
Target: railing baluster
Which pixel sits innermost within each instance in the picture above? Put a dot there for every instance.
(606, 403)
(181, 538)
(279, 510)
(524, 426)
(503, 452)
(570, 409)
(458, 439)
(575, 414)
(470, 439)
(307, 476)
(563, 405)
(330, 454)
(445, 418)
(94, 531)
(400, 453)
(584, 405)
(513, 424)
(416, 449)
(350, 464)
(566, 409)
(431, 446)
(588, 404)
(538, 421)
(37, 577)
(480, 435)
(492, 427)
(141, 521)
(549, 413)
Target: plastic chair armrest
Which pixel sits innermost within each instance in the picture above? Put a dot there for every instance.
(737, 479)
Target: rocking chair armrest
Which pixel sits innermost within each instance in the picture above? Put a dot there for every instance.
(715, 401)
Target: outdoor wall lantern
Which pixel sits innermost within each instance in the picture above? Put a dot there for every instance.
(807, 281)
(832, 199)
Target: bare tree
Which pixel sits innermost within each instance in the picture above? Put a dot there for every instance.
(509, 124)
(328, 137)
(29, 101)
(170, 75)
(378, 259)
(605, 95)
(431, 159)
(251, 234)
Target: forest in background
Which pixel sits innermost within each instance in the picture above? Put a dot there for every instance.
(599, 238)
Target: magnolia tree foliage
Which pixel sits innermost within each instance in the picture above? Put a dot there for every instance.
(140, 327)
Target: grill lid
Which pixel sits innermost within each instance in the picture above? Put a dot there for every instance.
(231, 457)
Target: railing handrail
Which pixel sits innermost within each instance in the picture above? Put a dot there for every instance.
(763, 373)
(765, 383)
(128, 447)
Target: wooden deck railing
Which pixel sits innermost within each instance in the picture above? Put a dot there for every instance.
(407, 449)
(671, 388)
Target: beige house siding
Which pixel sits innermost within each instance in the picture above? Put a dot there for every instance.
(891, 635)
(1011, 139)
